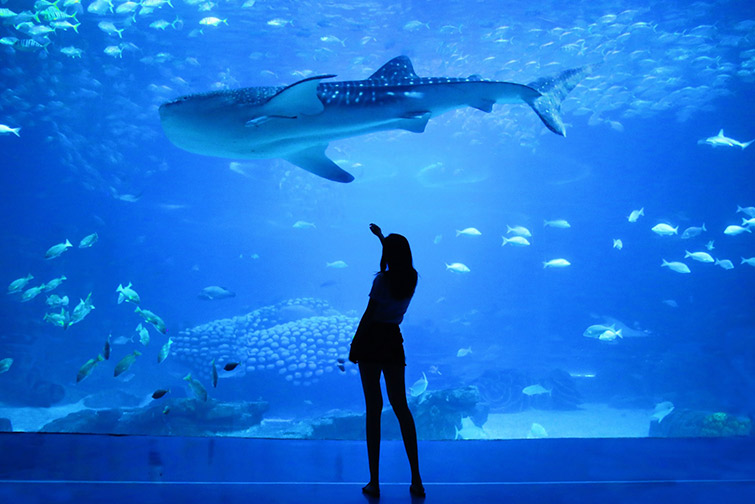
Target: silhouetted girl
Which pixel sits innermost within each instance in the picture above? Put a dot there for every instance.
(378, 348)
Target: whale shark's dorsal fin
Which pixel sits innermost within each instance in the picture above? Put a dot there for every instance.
(721, 133)
(298, 98)
(398, 69)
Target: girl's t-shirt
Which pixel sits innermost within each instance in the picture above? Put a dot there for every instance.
(388, 309)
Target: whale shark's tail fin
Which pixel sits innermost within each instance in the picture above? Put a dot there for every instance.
(552, 92)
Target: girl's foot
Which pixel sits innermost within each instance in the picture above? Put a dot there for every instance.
(417, 490)
(371, 489)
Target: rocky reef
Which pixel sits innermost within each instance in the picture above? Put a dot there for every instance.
(300, 339)
(690, 423)
(179, 417)
(503, 390)
(437, 415)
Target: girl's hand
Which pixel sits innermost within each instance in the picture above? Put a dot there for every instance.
(376, 231)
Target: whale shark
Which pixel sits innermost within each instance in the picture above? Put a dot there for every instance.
(297, 122)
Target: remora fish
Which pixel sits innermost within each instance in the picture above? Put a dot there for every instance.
(296, 122)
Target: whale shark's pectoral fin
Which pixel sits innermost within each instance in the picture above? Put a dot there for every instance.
(483, 104)
(296, 99)
(314, 160)
(416, 122)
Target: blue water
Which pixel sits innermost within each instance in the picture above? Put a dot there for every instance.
(92, 158)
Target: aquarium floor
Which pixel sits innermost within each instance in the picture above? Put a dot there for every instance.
(58, 468)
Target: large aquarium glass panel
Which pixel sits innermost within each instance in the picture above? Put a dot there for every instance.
(188, 187)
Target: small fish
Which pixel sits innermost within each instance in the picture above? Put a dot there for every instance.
(330, 39)
(19, 284)
(215, 292)
(127, 294)
(437, 239)
(109, 28)
(6, 130)
(533, 390)
(457, 267)
(519, 231)
(749, 211)
(709, 245)
(415, 25)
(115, 52)
(214, 374)
(65, 25)
(559, 223)
(72, 52)
(748, 222)
(679, 267)
(750, 261)
(212, 21)
(662, 410)
(556, 263)
(725, 264)
(470, 231)
(54, 283)
(693, 231)
(55, 301)
(610, 335)
(5, 365)
(56, 250)
(341, 367)
(618, 244)
(143, 334)
(279, 22)
(596, 330)
(662, 229)
(304, 225)
(636, 214)
(126, 363)
(31, 293)
(153, 319)
(463, 352)
(108, 347)
(336, 264)
(87, 368)
(735, 230)
(419, 386)
(537, 431)
(230, 366)
(88, 240)
(82, 309)
(157, 394)
(519, 241)
(721, 140)
(61, 319)
(699, 256)
(199, 391)
(164, 351)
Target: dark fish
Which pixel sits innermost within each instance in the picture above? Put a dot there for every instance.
(341, 367)
(157, 394)
(230, 366)
(106, 350)
(341, 360)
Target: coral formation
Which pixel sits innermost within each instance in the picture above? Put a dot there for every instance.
(300, 339)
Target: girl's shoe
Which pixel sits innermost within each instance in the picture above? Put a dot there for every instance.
(371, 490)
(417, 490)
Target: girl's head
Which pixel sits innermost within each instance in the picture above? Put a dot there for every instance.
(397, 261)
